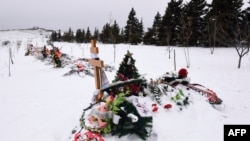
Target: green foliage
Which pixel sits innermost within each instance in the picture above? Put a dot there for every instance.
(53, 36)
(194, 23)
(96, 34)
(127, 68)
(79, 36)
(133, 29)
(142, 127)
(181, 99)
(108, 128)
(110, 33)
(120, 98)
(68, 36)
(170, 27)
(88, 35)
(127, 71)
(151, 37)
(156, 94)
(105, 35)
(225, 19)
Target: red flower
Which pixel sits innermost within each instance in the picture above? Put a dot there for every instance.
(134, 88)
(167, 106)
(153, 105)
(183, 73)
(155, 109)
(122, 77)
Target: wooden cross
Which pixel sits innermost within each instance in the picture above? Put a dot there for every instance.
(97, 64)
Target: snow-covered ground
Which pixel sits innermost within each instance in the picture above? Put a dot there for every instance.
(38, 104)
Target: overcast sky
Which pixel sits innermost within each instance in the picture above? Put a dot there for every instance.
(75, 14)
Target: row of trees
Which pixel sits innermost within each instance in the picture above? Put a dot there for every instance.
(111, 33)
(196, 23)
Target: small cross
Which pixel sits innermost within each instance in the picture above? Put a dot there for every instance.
(97, 64)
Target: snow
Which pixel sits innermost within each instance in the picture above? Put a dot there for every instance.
(38, 104)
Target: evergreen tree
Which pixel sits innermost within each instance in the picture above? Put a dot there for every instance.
(59, 35)
(105, 34)
(53, 36)
(140, 31)
(79, 37)
(134, 29)
(84, 36)
(170, 26)
(225, 14)
(115, 33)
(245, 25)
(127, 68)
(56, 36)
(122, 36)
(148, 38)
(88, 35)
(110, 33)
(128, 71)
(96, 34)
(68, 36)
(152, 35)
(192, 17)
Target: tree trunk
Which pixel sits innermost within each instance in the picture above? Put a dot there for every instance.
(239, 63)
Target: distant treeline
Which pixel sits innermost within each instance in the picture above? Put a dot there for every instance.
(196, 23)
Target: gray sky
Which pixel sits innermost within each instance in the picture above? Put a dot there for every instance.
(75, 14)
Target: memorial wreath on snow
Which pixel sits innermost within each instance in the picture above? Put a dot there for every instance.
(115, 108)
(179, 90)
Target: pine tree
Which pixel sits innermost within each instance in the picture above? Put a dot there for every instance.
(192, 18)
(152, 35)
(127, 71)
(225, 14)
(59, 35)
(105, 34)
(140, 31)
(170, 26)
(79, 36)
(149, 38)
(53, 36)
(245, 24)
(96, 34)
(84, 36)
(127, 68)
(134, 29)
(122, 36)
(115, 33)
(88, 35)
(68, 36)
